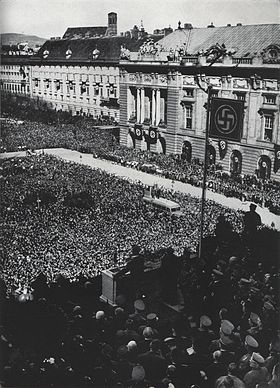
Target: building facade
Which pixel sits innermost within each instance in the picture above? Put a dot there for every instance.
(163, 99)
(78, 73)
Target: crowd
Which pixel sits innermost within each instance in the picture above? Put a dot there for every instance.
(103, 143)
(70, 219)
(225, 337)
(62, 223)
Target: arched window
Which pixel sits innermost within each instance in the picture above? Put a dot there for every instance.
(236, 162)
(211, 155)
(186, 151)
(264, 164)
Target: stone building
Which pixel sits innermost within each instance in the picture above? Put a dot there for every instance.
(163, 102)
(78, 73)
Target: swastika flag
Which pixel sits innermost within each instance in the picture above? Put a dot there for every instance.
(226, 119)
(138, 131)
(152, 135)
(277, 157)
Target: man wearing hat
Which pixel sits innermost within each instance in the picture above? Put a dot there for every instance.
(251, 222)
(203, 336)
(258, 373)
(138, 316)
(135, 265)
(251, 345)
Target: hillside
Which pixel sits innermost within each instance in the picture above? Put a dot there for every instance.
(14, 38)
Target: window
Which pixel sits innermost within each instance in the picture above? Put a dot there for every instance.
(268, 127)
(214, 93)
(269, 99)
(188, 117)
(240, 96)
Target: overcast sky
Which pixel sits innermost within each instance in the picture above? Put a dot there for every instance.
(47, 18)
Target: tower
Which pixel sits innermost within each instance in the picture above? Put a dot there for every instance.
(112, 24)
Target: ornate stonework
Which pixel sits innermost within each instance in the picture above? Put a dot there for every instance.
(271, 54)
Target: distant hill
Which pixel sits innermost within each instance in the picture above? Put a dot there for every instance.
(13, 38)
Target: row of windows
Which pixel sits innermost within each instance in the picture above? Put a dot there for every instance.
(82, 77)
(267, 98)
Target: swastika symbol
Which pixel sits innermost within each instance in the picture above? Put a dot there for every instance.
(138, 132)
(152, 134)
(225, 119)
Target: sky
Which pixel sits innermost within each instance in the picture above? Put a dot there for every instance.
(46, 18)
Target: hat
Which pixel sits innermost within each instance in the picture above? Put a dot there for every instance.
(216, 272)
(227, 327)
(250, 341)
(148, 332)
(255, 318)
(205, 321)
(253, 206)
(99, 315)
(257, 358)
(138, 373)
(77, 309)
(119, 311)
(152, 317)
(139, 305)
(268, 306)
(132, 345)
(170, 341)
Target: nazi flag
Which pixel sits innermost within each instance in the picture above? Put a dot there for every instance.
(277, 158)
(226, 120)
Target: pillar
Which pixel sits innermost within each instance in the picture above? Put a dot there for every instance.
(157, 106)
(142, 105)
(153, 106)
(138, 106)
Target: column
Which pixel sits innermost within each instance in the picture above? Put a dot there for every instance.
(153, 106)
(142, 105)
(138, 106)
(157, 106)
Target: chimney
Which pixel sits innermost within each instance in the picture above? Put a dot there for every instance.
(211, 25)
(188, 26)
(239, 24)
(112, 29)
(228, 25)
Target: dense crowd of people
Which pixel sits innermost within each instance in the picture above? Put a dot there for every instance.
(225, 337)
(84, 136)
(71, 219)
(62, 223)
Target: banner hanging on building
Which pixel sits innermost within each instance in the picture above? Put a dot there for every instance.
(277, 157)
(226, 119)
(222, 148)
(138, 132)
(152, 135)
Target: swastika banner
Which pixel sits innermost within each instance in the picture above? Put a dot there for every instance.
(226, 119)
(138, 132)
(152, 135)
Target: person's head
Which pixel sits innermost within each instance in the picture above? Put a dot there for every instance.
(232, 369)
(148, 333)
(256, 361)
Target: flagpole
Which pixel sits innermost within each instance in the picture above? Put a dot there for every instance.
(209, 89)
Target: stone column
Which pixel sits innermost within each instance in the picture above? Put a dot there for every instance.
(138, 106)
(157, 106)
(142, 105)
(153, 106)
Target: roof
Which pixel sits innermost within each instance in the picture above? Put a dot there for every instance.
(243, 39)
(84, 32)
(82, 49)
